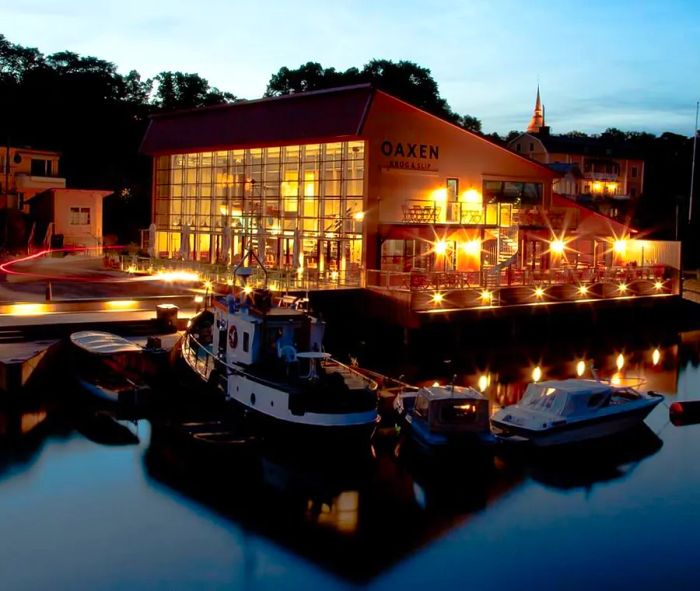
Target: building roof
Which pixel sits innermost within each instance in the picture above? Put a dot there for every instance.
(302, 117)
(590, 146)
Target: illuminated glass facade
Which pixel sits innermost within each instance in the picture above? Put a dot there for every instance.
(294, 206)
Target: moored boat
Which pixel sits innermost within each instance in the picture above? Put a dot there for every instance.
(445, 416)
(109, 367)
(269, 362)
(566, 411)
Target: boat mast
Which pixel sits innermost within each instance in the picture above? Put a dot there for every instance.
(692, 166)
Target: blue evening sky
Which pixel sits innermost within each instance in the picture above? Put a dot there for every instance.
(632, 64)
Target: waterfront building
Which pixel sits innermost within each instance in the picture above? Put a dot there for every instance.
(354, 187)
(24, 172)
(606, 175)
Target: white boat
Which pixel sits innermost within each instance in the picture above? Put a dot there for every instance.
(108, 366)
(567, 411)
(445, 416)
(269, 361)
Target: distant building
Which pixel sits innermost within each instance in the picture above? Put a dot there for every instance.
(605, 175)
(74, 214)
(24, 172)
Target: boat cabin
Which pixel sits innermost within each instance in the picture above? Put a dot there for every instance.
(574, 397)
(451, 410)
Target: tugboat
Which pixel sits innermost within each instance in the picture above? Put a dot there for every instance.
(269, 361)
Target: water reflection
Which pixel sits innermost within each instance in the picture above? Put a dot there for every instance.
(352, 515)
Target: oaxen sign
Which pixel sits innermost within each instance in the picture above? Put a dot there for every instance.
(410, 156)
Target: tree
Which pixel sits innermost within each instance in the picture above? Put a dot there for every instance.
(176, 90)
(512, 134)
(405, 80)
(470, 123)
(576, 134)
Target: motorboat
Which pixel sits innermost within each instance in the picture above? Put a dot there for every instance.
(444, 416)
(109, 367)
(268, 360)
(566, 411)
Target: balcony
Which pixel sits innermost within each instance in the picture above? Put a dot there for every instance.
(26, 182)
(415, 211)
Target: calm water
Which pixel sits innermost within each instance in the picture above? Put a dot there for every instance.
(79, 514)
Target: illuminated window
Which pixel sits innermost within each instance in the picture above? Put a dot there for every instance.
(79, 216)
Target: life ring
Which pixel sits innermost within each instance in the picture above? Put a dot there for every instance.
(232, 337)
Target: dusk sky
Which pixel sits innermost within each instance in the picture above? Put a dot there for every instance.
(631, 64)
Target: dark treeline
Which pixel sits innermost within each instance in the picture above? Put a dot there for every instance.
(96, 117)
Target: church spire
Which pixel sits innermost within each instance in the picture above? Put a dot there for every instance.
(537, 121)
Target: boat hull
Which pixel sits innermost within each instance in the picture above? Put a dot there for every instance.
(575, 431)
(273, 412)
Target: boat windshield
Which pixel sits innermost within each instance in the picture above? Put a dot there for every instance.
(544, 398)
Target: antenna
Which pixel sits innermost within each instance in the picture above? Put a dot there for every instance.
(594, 372)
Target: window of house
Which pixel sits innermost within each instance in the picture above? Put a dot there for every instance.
(634, 172)
(532, 147)
(40, 167)
(517, 147)
(79, 216)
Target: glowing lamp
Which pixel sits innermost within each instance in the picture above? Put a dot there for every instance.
(656, 357)
(437, 298)
(620, 362)
(247, 290)
(483, 382)
(436, 384)
(557, 246)
(198, 299)
(440, 247)
(583, 290)
(486, 295)
(537, 374)
(121, 304)
(622, 287)
(472, 196)
(539, 292)
(359, 216)
(580, 368)
(658, 285)
(620, 246)
(334, 276)
(472, 247)
(208, 285)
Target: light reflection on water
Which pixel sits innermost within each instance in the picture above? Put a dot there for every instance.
(81, 510)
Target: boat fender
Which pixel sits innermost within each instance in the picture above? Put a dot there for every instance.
(232, 337)
(686, 412)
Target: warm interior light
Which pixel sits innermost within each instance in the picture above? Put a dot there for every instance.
(178, 276)
(483, 383)
(358, 216)
(580, 368)
(131, 269)
(537, 374)
(557, 246)
(120, 304)
(223, 210)
(539, 292)
(472, 247)
(486, 295)
(334, 275)
(198, 299)
(208, 285)
(656, 357)
(597, 187)
(440, 247)
(437, 298)
(28, 309)
(620, 246)
(620, 362)
(436, 384)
